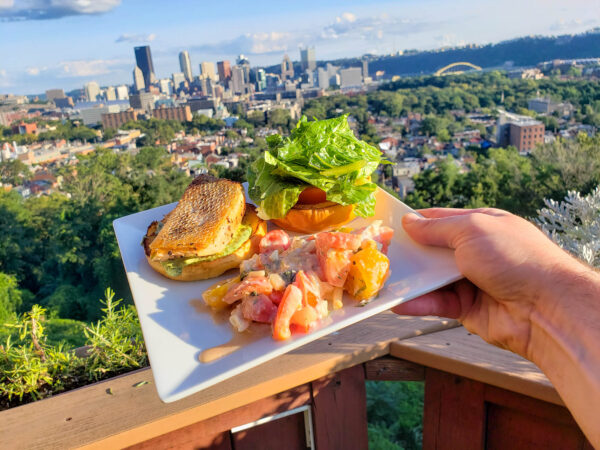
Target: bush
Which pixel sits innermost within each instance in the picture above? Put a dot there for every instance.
(395, 414)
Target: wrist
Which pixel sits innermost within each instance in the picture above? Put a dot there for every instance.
(558, 319)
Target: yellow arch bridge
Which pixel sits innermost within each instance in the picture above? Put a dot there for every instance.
(444, 70)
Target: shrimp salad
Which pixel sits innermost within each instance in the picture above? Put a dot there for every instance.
(295, 282)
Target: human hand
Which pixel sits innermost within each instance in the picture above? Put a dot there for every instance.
(511, 270)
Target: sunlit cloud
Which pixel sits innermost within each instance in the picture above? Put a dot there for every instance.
(52, 9)
(135, 38)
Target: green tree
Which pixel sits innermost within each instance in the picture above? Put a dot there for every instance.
(10, 297)
(14, 172)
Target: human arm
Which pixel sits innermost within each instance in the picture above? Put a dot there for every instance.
(523, 293)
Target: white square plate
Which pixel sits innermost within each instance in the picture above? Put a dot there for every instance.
(176, 333)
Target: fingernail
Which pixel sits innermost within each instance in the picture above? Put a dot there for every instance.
(409, 218)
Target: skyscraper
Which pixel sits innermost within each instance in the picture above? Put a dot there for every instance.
(178, 80)
(365, 68)
(138, 79)
(238, 80)
(287, 69)
(224, 69)
(111, 93)
(143, 59)
(261, 80)
(307, 59)
(92, 91)
(207, 70)
(186, 65)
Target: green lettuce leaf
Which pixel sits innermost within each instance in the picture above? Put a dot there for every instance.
(324, 154)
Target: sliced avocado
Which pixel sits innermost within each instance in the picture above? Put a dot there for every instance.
(174, 267)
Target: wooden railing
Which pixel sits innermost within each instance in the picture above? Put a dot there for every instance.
(475, 394)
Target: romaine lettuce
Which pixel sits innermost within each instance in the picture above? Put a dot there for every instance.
(323, 153)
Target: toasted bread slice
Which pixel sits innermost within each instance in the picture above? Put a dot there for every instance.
(203, 222)
(210, 269)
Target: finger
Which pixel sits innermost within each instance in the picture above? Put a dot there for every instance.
(437, 213)
(441, 232)
(442, 303)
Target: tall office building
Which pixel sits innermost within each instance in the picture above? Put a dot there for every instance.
(178, 80)
(365, 68)
(351, 77)
(92, 91)
(111, 93)
(261, 80)
(186, 65)
(224, 69)
(237, 80)
(287, 68)
(143, 59)
(122, 92)
(307, 59)
(138, 79)
(52, 94)
(207, 70)
(165, 86)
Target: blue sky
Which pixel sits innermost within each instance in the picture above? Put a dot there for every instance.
(65, 43)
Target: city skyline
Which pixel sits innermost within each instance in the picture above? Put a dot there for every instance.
(81, 43)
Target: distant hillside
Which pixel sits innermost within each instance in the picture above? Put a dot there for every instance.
(527, 51)
(521, 52)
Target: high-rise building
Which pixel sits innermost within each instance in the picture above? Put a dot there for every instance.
(143, 59)
(186, 65)
(237, 80)
(323, 78)
(178, 80)
(122, 92)
(180, 113)
(52, 94)
(307, 59)
(143, 100)
(207, 70)
(110, 94)
(116, 119)
(166, 87)
(287, 68)
(138, 79)
(261, 80)
(224, 69)
(365, 68)
(92, 91)
(350, 77)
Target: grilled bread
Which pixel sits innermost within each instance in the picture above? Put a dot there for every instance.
(210, 269)
(203, 222)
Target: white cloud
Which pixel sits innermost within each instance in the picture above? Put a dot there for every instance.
(253, 44)
(53, 9)
(132, 38)
(83, 68)
(78, 68)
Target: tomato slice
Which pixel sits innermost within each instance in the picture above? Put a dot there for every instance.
(312, 195)
(335, 265)
(304, 319)
(309, 285)
(338, 240)
(290, 303)
(274, 240)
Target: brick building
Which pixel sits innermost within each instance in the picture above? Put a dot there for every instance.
(115, 120)
(180, 113)
(522, 132)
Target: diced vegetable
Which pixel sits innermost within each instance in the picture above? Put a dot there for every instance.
(368, 272)
(250, 286)
(305, 318)
(259, 308)
(335, 265)
(274, 240)
(309, 285)
(290, 303)
(213, 297)
(341, 241)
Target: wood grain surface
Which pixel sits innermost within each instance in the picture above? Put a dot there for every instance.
(459, 352)
(91, 417)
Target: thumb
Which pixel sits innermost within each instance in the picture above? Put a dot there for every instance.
(438, 232)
